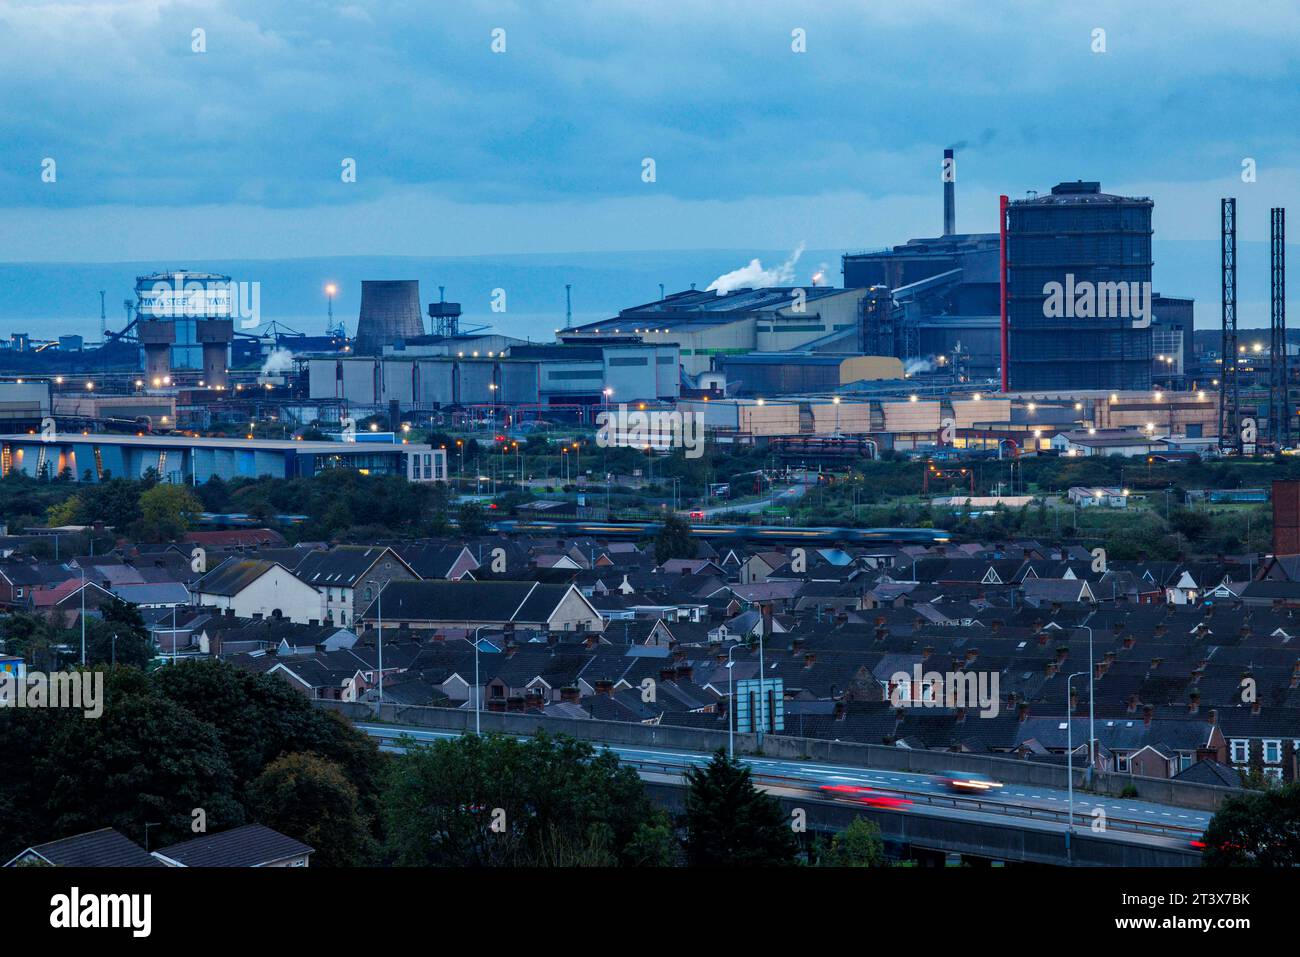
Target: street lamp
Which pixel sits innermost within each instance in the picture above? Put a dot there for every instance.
(731, 705)
(478, 691)
(1092, 681)
(762, 690)
(1069, 762)
(83, 617)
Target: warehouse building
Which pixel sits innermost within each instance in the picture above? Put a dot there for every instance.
(708, 326)
(782, 373)
(542, 375)
(181, 459)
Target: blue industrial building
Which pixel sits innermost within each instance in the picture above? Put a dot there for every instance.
(180, 459)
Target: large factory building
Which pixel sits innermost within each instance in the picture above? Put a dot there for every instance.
(542, 375)
(935, 303)
(182, 459)
(174, 313)
(1079, 290)
(708, 326)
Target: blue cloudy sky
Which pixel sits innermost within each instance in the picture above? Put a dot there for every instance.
(236, 152)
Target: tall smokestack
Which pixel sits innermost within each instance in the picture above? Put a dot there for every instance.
(949, 193)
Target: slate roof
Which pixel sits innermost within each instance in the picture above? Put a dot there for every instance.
(341, 566)
(252, 845)
(232, 576)
(103, 848)
(469, 601)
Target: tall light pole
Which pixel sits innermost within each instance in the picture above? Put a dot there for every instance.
(379, 599)
(1069, 762)
(731, 704)
(83, 618)
(1092, 682)
(762, 690)
(478, 692)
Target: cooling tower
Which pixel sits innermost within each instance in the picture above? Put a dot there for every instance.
(390, 310)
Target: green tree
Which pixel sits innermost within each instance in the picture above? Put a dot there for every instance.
(308, 798)
(33, 638)
(497, 801)
(1191, 524)
(439, 509)
(858, 845)
(1259, 829)
(115, 502)
(471, 519)
(67, 512)
(144, 760)
(339, 517)
(119, 636)
(260, 717)
(167, 512)
(674, 540)
(730, 823)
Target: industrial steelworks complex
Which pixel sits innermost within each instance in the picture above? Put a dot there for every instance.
(1044, 335)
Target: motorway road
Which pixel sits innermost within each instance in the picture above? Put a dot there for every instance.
(785, 497)
(1165, 825)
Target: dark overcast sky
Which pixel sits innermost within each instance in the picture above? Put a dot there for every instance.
(236, 152)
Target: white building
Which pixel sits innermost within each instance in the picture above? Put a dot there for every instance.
(252, 588)
(1087, 496)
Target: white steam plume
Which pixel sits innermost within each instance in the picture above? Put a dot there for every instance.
(280, 360)
(754, 276)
